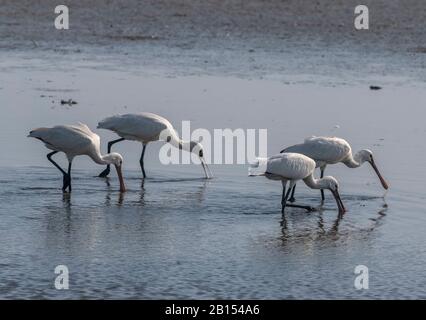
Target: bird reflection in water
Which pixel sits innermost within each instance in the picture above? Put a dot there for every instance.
(109, 193)
(142, 195)
(196, 194)
(320, 232)
(66, 199)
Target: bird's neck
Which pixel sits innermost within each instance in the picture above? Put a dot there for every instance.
(177, 142)
(313, 183)
(185, 145)
(101, 159)
(180, 144)
(353, 161)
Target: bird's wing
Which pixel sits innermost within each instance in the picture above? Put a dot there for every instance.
(143, 126)
(327, 149)
(43, 135)
(72, 140)
(292, 166)
(83, 128)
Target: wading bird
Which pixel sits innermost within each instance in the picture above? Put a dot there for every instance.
(331, 150)
(76, 140)
(291, 167)
(146, 127)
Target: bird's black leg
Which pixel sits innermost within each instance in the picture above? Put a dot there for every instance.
(292, 199)
(141, 160)
(322, 191)
(284, 197)
(105, 173)
(69, 176)
(49, 157)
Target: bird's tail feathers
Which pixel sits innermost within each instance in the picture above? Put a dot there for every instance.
(37, 133)
(106, 123)
(258, 167)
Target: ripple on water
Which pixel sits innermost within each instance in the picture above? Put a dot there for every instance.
(222, 238)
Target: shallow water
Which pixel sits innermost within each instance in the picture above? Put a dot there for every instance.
(180, 236)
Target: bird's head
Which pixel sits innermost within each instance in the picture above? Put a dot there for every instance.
(117, 160)
(197, 149)
(366, 155)
(332, 184)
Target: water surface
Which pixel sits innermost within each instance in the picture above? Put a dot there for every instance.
(177, 235)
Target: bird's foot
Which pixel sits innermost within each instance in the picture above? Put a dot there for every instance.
(66, 183)
(292, 199)
(104, 173)
(307, 208)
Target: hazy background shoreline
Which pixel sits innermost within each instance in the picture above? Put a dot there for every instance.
(292, 40)
(295, 67)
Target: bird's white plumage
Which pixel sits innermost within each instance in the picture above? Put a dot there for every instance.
(146, 127)
(284, 166)
(143, 127)
(73, 140)
(324, 150)
(291, 166)
(331, 150)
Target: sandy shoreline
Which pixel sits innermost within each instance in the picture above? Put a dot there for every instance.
(243, 38)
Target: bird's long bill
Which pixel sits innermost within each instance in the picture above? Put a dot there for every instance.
(120, 179)
(382, 180)
(339, 201)
(206, 169)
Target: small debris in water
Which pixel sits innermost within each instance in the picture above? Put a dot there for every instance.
(375, 87)
(419, 50)
(68, 102)
(136, 37)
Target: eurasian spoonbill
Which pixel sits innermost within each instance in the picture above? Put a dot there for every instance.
(75, 140)
(146, 127)
(331, 150)
(291, 167)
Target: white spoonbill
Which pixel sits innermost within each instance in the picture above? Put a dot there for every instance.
(293, 167)
(331, 150)
(75, 140)
(146, 127)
